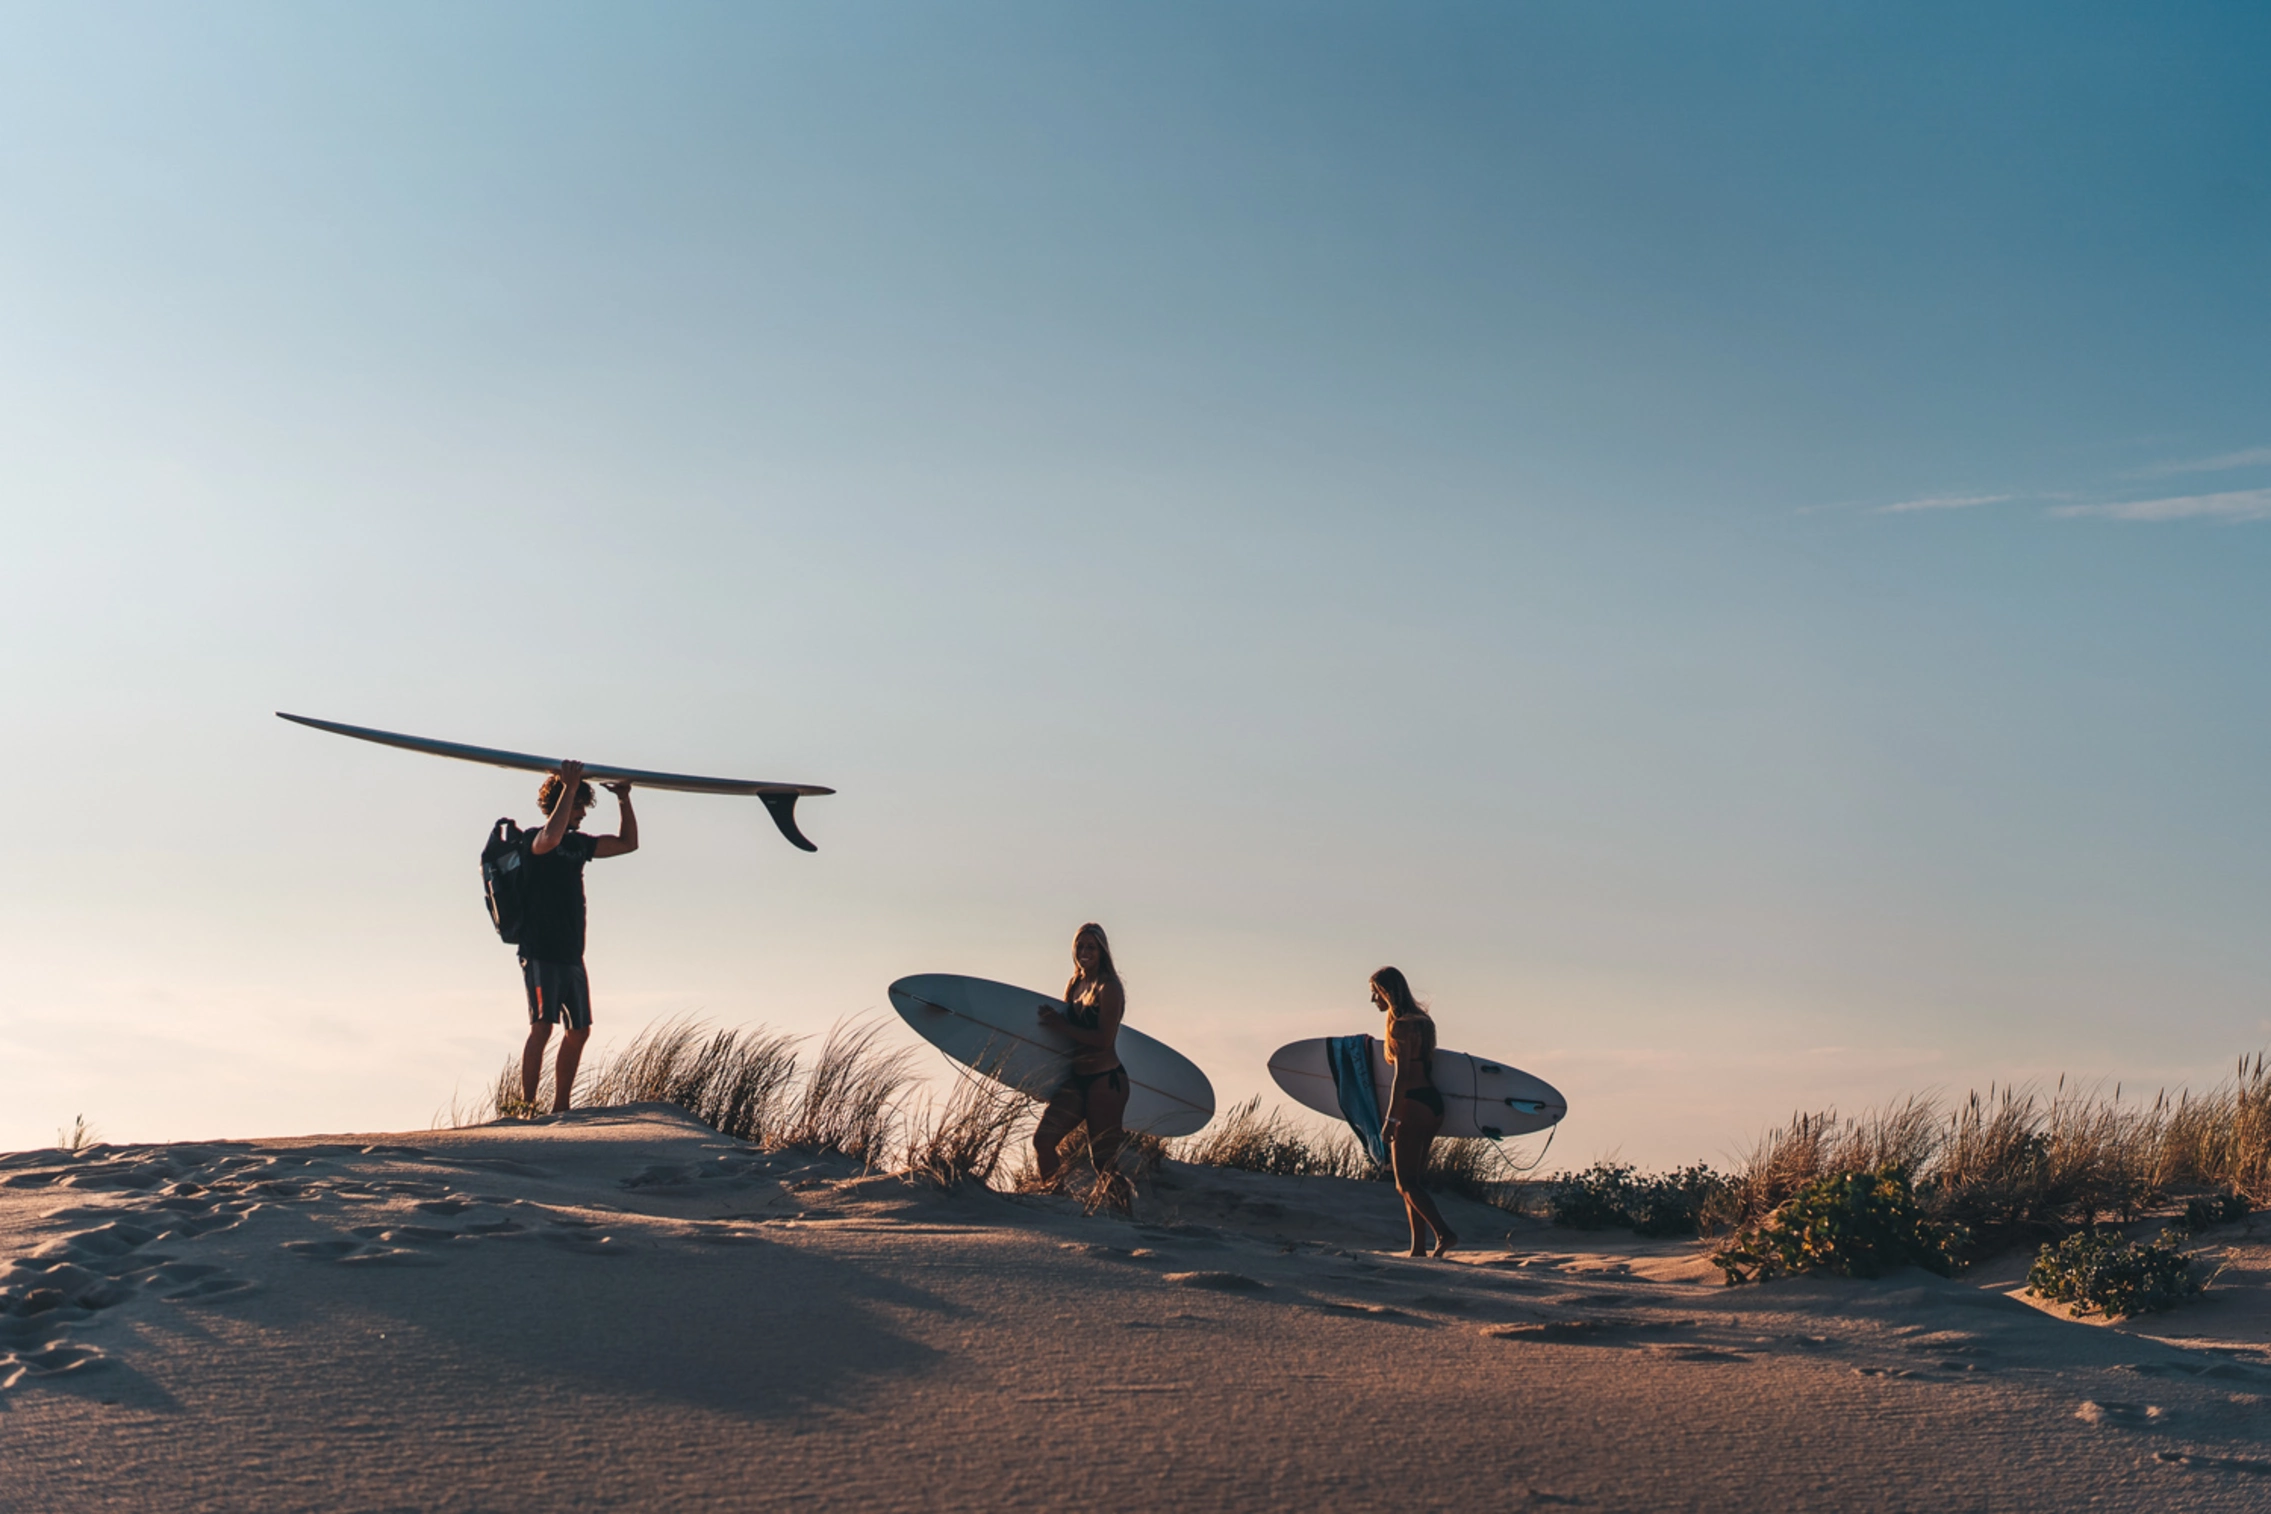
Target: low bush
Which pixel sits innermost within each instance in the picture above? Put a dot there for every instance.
(1617, 1196)
(2021, 1165)
(2102, 1271)
(1856, 1224)
(2208, 1210)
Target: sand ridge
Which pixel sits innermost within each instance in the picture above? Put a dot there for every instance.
(622, 1309)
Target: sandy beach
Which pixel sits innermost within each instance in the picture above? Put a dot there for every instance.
(621, 1309)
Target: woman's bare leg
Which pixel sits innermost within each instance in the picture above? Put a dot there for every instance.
(1107, 1106)
(1409, 1154)
(1063, 1116)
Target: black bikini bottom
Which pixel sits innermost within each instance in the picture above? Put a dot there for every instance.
(1431, 1097)
(1081, 1082)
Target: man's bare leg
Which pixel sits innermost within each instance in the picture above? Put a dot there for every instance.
(564, 1069)
(532, 1060)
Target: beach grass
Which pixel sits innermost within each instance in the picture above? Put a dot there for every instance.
(963, 1137)
(2020, 1165)
(2013, 1167)
(747, 1084)
(1247, 1137)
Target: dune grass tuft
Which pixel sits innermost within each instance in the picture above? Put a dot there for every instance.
(963, 1137)
(741, 1083)
(1245, 1137)
(1252, 1140)
(2019, 1166)
(736, 1082)
(849, 1102)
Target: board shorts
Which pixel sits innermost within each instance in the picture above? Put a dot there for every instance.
(557, 992)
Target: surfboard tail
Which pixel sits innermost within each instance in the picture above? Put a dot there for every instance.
(782, 807)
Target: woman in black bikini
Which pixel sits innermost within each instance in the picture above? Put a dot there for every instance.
(1097, 1092)
(1415, 1107)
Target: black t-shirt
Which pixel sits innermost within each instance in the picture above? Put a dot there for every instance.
(552, 920)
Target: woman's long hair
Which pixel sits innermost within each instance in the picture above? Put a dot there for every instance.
(1390, 981)
(1105, 971)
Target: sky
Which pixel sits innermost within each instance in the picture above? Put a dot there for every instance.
(1729, 542)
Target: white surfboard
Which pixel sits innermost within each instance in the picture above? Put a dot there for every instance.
(780, 798)
(993, 1027)
(1480, 1098)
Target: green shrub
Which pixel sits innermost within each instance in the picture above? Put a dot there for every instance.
(1617, 1196)
(1856, 1224)
(2104, 1271)
(2210, 1210)
(1596, 1199)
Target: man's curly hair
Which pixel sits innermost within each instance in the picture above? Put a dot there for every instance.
(548, 793)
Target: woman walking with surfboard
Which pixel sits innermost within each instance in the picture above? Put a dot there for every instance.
(1096, 1093)
(1415, 1107)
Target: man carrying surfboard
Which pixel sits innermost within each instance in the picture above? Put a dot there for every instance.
(552, 925)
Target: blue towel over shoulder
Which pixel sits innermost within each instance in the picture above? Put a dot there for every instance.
(1351, 1061)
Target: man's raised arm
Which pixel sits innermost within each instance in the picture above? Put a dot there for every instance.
(626, 837)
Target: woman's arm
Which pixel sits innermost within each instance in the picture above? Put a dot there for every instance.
(1405, 1078)
(1111, 1004)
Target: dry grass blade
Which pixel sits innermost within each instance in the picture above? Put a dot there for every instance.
(2017, 1166)
(849, 1099)
(1252, 1140)
(732, 1081)
(1246, 1138)
(963, 1138)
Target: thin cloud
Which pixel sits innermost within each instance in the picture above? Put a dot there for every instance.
(1942, 502)
(2238, 504)
(2253, 457)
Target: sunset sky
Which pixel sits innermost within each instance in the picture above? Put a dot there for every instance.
(1732, 543)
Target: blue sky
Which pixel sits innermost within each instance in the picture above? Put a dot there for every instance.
(1729, 542)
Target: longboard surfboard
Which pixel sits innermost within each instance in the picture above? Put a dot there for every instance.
(1480, 1097)
(993, 1027)
(779, 798)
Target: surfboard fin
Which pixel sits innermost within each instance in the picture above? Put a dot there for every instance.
(782, 807)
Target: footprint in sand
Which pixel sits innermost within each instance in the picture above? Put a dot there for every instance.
(50, 1360)
(1700, 1354)
(1367, 1311)
(212, 1290)
(391, 1256)
(1586, 1332)
(1117, 1253)
(1448, 1303)
(1219, 1282)
(2246, 1465)
(2133, 1416)
(581, 1237)
(322, 1251)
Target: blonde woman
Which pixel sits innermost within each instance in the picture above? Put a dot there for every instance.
(1415, 1107)
(1096, 1092)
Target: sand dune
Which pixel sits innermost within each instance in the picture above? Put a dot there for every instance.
(620, 1309)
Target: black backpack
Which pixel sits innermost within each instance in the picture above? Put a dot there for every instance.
(504, 877)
